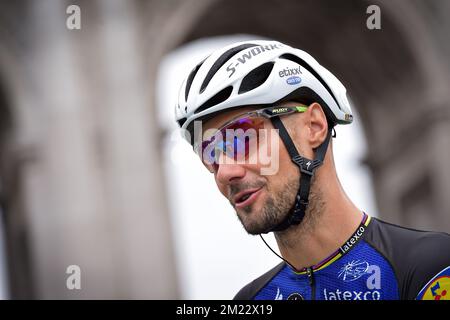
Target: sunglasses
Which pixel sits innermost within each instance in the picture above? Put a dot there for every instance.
(237, 139)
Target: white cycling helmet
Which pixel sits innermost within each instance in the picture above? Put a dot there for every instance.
(259, 73)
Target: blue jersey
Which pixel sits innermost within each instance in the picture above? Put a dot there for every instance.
(380, 261)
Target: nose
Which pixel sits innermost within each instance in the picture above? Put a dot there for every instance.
(227, 172)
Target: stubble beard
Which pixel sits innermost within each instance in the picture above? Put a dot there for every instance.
(291, 236)
(275, 209)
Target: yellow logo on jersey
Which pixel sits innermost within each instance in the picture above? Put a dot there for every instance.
(439, 289)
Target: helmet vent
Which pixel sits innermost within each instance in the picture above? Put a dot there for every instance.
(191, 78)
(181, 121)
(256, 77)
(221, 61)
(305, 65)
(221, 96)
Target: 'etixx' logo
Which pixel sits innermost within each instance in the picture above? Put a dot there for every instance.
(289, 72)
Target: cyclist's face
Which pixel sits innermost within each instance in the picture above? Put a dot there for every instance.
(261, 200)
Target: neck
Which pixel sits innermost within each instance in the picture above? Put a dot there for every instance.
(330, 220)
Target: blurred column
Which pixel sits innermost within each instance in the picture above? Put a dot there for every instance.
(94, 191)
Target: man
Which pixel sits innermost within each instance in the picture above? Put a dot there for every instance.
(229, 107)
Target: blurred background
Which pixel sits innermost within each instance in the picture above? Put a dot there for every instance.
(93, 172)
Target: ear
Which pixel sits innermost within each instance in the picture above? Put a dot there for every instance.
(317, 125)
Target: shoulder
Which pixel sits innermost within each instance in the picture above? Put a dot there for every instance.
(416, 256)
(409, 240)
(251, 290)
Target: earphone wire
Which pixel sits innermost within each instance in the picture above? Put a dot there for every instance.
(278, 254)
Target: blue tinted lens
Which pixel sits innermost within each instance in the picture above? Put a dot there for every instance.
(234, 146)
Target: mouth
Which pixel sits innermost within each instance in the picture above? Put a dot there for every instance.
(246, 198)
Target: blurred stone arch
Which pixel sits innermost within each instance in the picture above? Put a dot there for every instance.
(396, 77)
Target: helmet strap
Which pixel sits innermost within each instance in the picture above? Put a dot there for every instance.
(307, 168)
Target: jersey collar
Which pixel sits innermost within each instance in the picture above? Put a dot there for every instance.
(346, 247)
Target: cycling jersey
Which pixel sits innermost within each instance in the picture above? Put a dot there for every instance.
(380, 261)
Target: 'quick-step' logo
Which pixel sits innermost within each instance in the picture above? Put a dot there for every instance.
(293, 80)
(292, 73)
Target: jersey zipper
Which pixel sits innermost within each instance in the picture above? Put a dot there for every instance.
(312, 283)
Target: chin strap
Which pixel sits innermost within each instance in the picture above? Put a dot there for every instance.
(307, 169)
